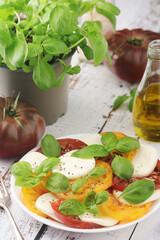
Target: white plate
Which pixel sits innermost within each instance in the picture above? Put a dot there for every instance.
(17, 190)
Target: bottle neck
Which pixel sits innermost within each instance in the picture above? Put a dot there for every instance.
(154, 50)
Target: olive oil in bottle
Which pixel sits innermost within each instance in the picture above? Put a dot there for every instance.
(146, 107)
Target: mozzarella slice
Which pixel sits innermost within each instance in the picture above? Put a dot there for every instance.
(43, 204)
(144, 161)
(34, 158)
(153, 197)
(73, 167)
(92, 139)
(104, 221)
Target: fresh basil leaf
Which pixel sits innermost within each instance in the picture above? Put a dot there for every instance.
(108, 57)
(77, 185)
(27, 181)
(122, 167)
(119, 100)
(41, 175)
(91, 151)
(109, 7)
(60, 19)
(74, 70)
(93, 209)
(96, 172)
(71, 207)
(85, 7)
(17, 52)
(138, 191)
(101, 197)
(99, 46)
(133, 92)
(6, 11)
(58, 183)
(103, 10)
(60, 79)
(92, 26)
(26, 68)
(55, 46)
(127, 144)
(109, 139)
(22, 168)
(17, 4)
(47, 165)
(88, 52)
(0, 60)
(43, 75)
(50, 146)
(5, 38)
(34, 50)
(89, 200)
(130, 106)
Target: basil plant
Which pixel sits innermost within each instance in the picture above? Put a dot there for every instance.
(36, 33)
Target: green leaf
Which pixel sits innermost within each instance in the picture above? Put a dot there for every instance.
(60, 79)
(47, 165)
(106, 6)
(101, 197)
(108, 138)
(74, 70)
(71, 207)
(130, 106)
(58, 183)
(138, 191)
(119, 100)
(88, 52)
(77, 185)
(50, 146)
(92, 26)
(17, 52)
(43, 75)
(55, 46)
(60, 19)
(22, 168)
(27, 181)
(17, 4)
(99, 46)
(5, 38)
(89, 200)
(6, 11)
(93, 209)
(26, 68)
(103, 10)
(127, 144)
(97, 172)
(34, 50)
(91, 151)
(122, 167)
(133, 92)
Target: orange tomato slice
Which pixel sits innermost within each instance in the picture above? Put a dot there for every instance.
(123, 212)
(129, 155)
(30, 195)
(93, 184)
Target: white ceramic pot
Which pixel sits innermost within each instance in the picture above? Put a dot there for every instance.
(52, 103)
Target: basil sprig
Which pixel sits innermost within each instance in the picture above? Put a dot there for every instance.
(58, 183)
(94, 173)
(91, 151)
(122, 167)
(50, 146)
(138, 191)
(25, 177)
(74, 207)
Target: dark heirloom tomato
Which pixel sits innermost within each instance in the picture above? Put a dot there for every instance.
(128, 50)
(72, 221)
(21, 128)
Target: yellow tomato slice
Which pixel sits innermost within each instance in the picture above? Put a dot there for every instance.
(123, 212)
(129, 155)
(93, 184)
(30, 195)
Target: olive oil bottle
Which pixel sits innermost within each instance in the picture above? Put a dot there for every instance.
(146, 107)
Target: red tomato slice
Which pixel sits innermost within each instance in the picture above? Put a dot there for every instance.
(68, 144)
(72, 221)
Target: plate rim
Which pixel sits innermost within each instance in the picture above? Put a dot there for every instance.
(60, 226)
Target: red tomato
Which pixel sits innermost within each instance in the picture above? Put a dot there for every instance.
(72, 221)
(128, 50)
(17, 139)
(68, 144)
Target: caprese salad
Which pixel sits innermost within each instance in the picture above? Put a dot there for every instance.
(104, 180)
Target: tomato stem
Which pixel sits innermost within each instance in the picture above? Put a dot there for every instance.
(10, 108)
(134, 41)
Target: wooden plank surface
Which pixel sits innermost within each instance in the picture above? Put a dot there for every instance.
(91, 96)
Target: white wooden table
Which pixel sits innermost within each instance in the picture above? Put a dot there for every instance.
(91, 97)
